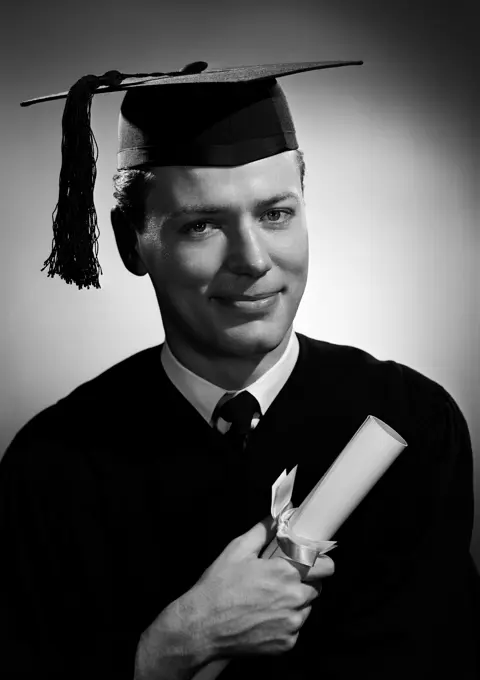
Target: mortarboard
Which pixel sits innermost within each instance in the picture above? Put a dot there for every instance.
(196, 116)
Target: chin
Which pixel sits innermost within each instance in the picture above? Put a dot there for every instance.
(243, 341)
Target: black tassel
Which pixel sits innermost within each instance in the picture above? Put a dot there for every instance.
(75, 229)
(74, 255)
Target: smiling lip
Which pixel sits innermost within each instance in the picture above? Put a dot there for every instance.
(248, 302)
(247, 298)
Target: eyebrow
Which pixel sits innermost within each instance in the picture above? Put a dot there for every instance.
(196, 209)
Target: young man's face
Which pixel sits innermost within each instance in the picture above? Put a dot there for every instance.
(227, 253)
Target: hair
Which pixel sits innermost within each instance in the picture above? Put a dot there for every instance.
(131, 189)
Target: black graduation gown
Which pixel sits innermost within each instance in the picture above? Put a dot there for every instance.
(114, 501)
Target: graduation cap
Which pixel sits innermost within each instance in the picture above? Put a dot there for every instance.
(196, 116)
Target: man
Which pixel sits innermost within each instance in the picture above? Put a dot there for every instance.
(130, 510)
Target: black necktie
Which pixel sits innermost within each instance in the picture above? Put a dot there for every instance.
(239, 411)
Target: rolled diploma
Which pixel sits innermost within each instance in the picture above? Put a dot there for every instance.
(357, 469)
(366, 457)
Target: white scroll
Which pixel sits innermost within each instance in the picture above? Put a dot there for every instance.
(305, 532)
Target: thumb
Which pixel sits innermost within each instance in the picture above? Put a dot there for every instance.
(252, 542)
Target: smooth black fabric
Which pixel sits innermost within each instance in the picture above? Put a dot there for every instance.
(115, 500)
(234, 123)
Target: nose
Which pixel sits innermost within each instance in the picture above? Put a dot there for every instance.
(247, 251)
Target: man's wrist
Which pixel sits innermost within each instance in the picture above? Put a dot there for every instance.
(187, 620)
(174, 646)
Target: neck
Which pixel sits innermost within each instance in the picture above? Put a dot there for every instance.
(228, 372)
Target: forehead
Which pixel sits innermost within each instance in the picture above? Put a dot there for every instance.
(175, 186)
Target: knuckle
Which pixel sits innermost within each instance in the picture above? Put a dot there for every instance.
(291, 641)
(290, 569)
(301, 595)
(306, 613)
(282, 567)
(296, 620)
(282, 563)
(235, 542)
(234, 548)
(312, 593)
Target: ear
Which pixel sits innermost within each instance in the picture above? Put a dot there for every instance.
(126, 239)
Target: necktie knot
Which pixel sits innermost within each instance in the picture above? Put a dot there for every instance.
(239, 411)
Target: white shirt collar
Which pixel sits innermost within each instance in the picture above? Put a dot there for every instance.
(204, 395)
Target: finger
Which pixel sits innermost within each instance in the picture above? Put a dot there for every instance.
(302, 569)
(324, 566)
(311, 593)
(306, 613)
(306, 596)
(251, 542)
(300, 617)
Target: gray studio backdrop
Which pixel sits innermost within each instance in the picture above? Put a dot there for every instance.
(392, 163)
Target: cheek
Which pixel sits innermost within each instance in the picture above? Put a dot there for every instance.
(183, 267)
(291, 254)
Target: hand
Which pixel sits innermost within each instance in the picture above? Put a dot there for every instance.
(315, 573)
(246, 605)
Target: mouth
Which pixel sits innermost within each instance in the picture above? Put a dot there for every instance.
(246, 303)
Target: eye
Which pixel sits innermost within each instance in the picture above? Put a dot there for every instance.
(198, 228)
(279, 212)
(202, 229)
